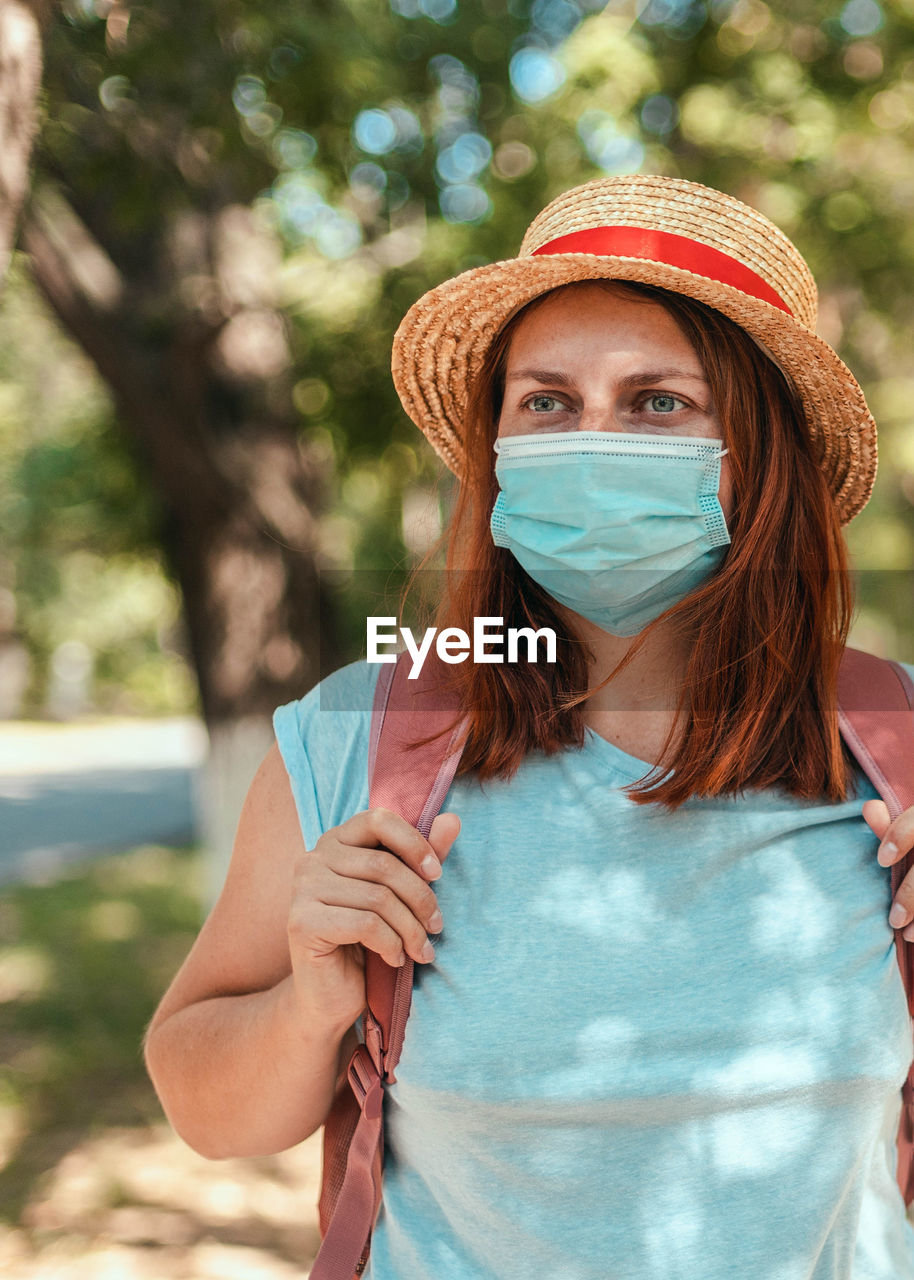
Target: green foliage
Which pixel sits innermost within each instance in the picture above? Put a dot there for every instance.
(83, 963)
(78, 526)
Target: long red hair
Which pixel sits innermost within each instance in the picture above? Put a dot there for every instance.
(765, 631)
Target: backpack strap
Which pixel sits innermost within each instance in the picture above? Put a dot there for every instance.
(876, 698)
(412, 781)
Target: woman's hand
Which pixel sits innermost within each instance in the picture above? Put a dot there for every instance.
(349, 893)
(897, 839)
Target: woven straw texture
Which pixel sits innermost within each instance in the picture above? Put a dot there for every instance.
(441, 344)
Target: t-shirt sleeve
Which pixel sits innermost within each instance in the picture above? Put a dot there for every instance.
(323, 740)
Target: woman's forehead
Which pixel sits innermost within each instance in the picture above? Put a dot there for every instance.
(595, 317)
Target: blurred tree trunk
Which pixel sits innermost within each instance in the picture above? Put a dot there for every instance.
(207, 400)
(21, 27)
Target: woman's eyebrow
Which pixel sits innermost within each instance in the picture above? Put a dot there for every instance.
(556, 378)
(658, 375)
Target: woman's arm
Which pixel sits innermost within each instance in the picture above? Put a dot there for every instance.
(241, 1064)
(249, 1042)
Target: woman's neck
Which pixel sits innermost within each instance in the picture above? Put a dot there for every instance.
(635, 710)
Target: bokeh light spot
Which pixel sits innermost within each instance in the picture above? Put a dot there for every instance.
(464, 202)
(535, 74)
(248, 95)
(113, 92)
(863, 60)
(659, 114)
(682, 19)
(845, 210)
(861, 17)
(409, 138)
(368, 175)
(555, 19)
(337, 234)
(612, 151)
(514, 160)
(294, 148)
(282, 60)
(300, 205)
(439, 11)
(374, 131)
(464, 158)
(398, 191)
(311, 396)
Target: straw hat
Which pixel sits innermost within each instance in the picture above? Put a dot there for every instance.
(663, 231)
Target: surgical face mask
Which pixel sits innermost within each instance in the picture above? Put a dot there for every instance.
(617, 527)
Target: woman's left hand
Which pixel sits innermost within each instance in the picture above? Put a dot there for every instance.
(897, 839)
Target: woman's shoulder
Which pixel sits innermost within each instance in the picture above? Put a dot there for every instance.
(339, 705)
(349, 688)
(323, 740)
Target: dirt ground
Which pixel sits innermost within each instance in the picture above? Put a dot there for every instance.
(137, 1204)
(94, 1185)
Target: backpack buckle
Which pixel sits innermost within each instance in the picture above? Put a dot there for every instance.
(366, 1082)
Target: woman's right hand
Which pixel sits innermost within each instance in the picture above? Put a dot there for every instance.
(364, 884)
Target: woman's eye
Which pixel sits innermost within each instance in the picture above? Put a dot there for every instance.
(663, 402)
(544, 404)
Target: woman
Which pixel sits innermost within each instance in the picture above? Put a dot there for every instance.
(662, 1031)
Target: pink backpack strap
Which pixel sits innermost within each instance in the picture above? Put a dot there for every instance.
(413, 782)
(875, 701)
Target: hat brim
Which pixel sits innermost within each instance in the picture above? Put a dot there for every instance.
(441, 344)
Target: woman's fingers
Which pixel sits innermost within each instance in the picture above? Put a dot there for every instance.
(902, 912)
(320, 929)
(444, 831)
(373, 827)
(381, 868)
(367, 881)
(876, 814)
(378, 902)
(896, 838)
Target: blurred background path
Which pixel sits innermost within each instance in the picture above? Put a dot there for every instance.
(72, 791)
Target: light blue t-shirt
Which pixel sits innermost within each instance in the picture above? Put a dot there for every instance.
(651, 1046)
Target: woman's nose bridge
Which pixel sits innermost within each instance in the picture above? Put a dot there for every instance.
(602, 403)
(600, 417)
